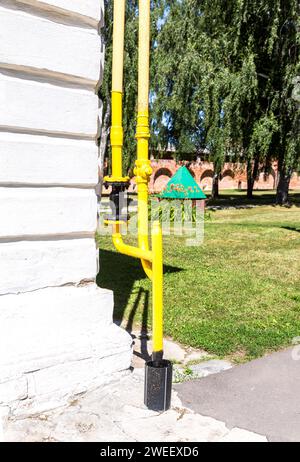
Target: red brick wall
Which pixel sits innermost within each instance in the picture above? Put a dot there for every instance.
(233, 175)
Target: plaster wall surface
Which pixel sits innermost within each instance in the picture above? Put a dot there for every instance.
(56, 332)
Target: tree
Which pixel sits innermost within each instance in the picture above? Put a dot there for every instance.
(285, 68)
(177, 103)
(199, 85)
(225, 73)
(222, 78)
(268, 33)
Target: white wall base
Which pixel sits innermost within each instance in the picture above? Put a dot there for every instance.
(4, 413)
(56, 343)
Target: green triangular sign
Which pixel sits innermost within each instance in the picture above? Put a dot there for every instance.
(182, 186)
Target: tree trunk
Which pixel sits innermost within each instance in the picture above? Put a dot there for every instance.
(215, 186)
(282, 196)
(252, 174)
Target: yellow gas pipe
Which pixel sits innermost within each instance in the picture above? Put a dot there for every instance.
(152, 261)
(116, 131)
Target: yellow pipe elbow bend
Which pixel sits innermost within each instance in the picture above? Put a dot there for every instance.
(129, 250)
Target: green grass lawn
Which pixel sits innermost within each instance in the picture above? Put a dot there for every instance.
(236, 296)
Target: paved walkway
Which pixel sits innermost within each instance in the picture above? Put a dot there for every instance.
(257, 401)
(116, 413)
(262, 396)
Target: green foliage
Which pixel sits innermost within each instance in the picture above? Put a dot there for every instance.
(224, 76)
(261, 136)
(225, 79)
(176, 211)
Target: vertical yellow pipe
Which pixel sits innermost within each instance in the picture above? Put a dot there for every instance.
(116, 133)
(152, 261)
(143, 171)
(143, 167)
(157, 314)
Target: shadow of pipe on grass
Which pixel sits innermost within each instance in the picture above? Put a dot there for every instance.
(119, 273)
(142, 297)
(291, 228)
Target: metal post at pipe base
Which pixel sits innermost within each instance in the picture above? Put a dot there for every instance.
(158, 385)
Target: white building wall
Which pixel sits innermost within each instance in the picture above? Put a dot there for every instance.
(51, 312)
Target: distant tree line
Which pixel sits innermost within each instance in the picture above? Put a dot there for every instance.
(225, 77)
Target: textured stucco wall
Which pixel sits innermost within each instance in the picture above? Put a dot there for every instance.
(51, 312)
